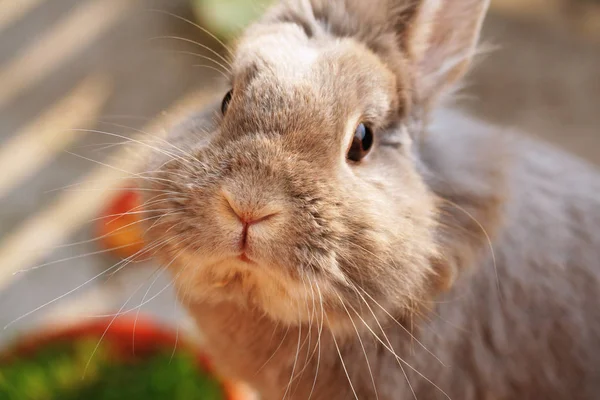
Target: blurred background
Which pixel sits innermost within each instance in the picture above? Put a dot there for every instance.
(80, 77)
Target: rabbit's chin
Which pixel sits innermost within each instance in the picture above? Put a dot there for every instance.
(254, 286)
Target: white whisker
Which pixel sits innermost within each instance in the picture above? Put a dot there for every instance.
(227, 48)
(487, 237)
(361, 344)
(400, 325)
(87, 365)
(158, 275)
(211, 68)
(274, 352)
(297, 354)
(337, 347)
(318, 340)
(225, 67)
(185, 153)
(75, 257)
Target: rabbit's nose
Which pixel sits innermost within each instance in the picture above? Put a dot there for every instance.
(248, 214)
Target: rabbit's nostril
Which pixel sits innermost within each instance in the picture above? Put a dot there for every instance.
(252, 214)
(255, 220)
(248, 215)
(246, 223)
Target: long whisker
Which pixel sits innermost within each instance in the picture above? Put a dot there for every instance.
(153, 136)
(227, 48)
(97, 238)
(311, 314)
(176, 342)
(307, 338)
(360, 342)
(75, 257)
(118, 216)
(274, 352)
(87, 365)
(132, 140)
(161, 244)
(147, 301)
(212, 68)
(100, 147)
(158, 222)
(337, 347)
(297, 354)
(158, 244)
(103, 165)
(158, 275)
(118, 266)
(191, 53)
(408, 295)
(225, 67)
(275, 328)
(487, 237)
(186, 295)
(390, 348)
(318, 340)
(133, 176)
(103, 118)
(309, 354)
(158, 199)
(400, 325)
(69, 188)
(178, 296)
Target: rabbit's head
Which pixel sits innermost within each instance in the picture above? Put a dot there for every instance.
(303, 195)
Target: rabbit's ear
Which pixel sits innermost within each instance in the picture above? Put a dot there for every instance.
(441, 38)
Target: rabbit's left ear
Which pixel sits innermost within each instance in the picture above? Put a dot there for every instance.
(441, 38)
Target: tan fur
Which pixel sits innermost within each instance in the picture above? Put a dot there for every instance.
(459, 260)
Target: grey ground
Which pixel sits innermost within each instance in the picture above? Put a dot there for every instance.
(541, 78)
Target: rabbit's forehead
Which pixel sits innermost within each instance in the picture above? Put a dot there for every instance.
(283, 76)
(288, 55)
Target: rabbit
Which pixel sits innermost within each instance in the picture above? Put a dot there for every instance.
(339, 230)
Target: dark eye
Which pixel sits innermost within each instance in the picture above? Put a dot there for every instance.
(226, 100)
(361, 143)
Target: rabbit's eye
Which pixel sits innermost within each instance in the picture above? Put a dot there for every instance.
(226, 100)
(361, 143)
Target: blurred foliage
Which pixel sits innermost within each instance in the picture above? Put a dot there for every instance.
(74, 371)
(226, 18)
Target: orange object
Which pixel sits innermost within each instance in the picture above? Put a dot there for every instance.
(119, 227)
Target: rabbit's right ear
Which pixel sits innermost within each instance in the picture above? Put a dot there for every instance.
(440, 37)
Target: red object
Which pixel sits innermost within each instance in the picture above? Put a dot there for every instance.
(119, 227)
(149, 337)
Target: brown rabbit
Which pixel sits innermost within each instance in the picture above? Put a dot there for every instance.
(337, 233)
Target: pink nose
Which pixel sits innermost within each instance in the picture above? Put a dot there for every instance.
(248, 216)
(250, 219)
(246, 225)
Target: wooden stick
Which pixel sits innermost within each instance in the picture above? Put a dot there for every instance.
(13, 10)
(35, 145)
(69, 36)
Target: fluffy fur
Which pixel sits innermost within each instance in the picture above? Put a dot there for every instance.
(454, 261)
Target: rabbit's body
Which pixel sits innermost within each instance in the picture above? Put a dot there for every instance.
(331, 200)
(538, 338)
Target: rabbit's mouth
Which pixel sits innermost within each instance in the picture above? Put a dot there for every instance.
(251, 283)
(244, 258)
(243, 279)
